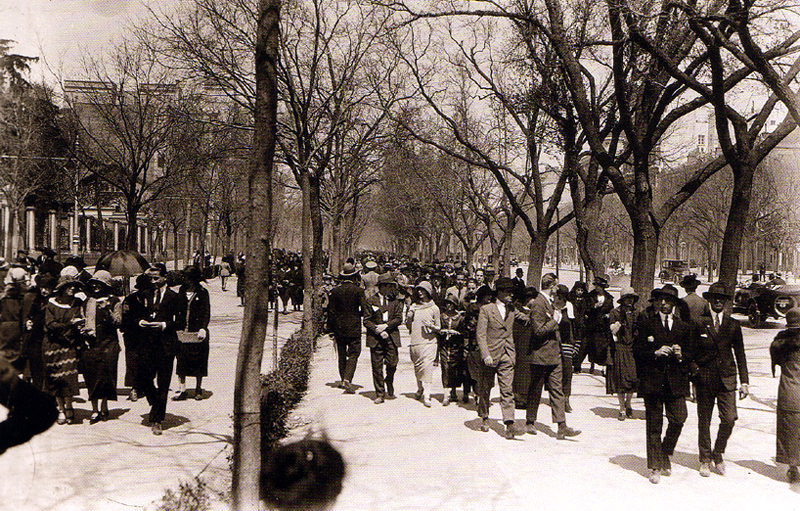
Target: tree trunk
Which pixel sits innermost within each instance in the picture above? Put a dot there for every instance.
(132, 232)
(16, 229)
(175, 245)
(734, 228)
(306, 251)
(246, 461)
(337, 246)
(536, 252)
(645, 247)
(188, 248)
(314, 326)
(508, 241)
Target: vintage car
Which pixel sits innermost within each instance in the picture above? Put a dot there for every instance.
(673, 270)
(762, 300)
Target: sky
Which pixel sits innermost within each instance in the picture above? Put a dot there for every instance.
(61, 31)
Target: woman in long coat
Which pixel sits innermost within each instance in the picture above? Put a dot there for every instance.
(451, 349)
(621, 378)
(103, 313)
(785, 352)
(195, 342)
(423, 322)
(63, 320)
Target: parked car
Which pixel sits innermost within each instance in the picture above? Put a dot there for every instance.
(763, 300)
(673, 270)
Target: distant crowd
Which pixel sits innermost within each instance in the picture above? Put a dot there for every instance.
(482, 331)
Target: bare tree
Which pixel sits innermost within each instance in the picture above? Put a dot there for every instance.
(126, 114)
(247, 396)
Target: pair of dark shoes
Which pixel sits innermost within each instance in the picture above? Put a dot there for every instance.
(133, 396)
(509, 433)
(98, 416)
(348, 387)
(183, 396)
(156, 428)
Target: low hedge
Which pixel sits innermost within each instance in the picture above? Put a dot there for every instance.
(283, 388)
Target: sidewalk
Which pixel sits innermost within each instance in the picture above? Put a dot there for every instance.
(400, 455)
(120, 464)
(403, 456)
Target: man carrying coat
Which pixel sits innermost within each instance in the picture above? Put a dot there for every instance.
(383, 335)
(347, 304)
(494, 336)
(544, 358)
(663, 350)
(718, 356)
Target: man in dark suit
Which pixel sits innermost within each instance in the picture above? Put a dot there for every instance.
(496, 343)
(383, 335)
(544, 359)
(692, 307)
(167, 315)
(719, 353)
(347, 304)
(663, 350)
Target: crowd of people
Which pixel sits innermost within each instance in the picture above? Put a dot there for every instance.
(481, 330)
(59, 321)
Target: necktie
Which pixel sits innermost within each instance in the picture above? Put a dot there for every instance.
(716, 323)
(666, 323)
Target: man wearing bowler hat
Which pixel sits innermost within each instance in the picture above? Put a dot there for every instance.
(663, 350)
(718, 357)
(382, 322)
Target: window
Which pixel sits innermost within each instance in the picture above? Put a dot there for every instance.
(701, 142)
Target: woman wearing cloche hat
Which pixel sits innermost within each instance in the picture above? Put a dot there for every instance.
(103, 312)
(785, 352)
(63, 319)
(621, 374)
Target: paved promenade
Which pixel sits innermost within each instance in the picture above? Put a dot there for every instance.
(400, 455)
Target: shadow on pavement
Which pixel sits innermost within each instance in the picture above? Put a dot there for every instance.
(613, 413)
(631, 462)
(495, 426)
(369, 394)
(170, 420)
(759, 467)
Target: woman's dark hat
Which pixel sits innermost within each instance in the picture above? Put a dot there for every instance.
(600, 280)
(718, 290)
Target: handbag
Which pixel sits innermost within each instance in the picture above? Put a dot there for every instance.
(187, 337)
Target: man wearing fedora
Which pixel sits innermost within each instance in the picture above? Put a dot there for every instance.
(347, 304)
(383, 335)
(718, 357)
(544, 359)
(663, 350)
(496, 343)
(692, 307)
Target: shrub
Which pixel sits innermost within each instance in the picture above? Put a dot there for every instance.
(191, 496)
(282, 389)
